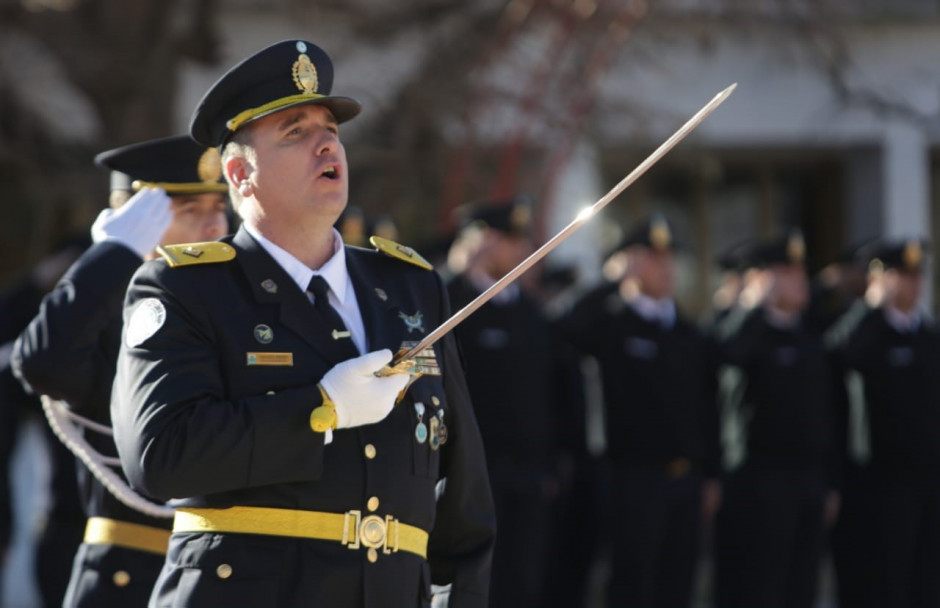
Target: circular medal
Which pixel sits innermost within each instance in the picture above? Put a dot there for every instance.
(421, 432)
(435, 439)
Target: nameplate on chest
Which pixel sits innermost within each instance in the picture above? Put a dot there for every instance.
(276, 359)
(640, 348)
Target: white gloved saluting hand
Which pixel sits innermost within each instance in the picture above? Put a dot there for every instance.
(138, 224)
(359, 396)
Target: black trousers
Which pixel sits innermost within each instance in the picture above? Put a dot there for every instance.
(770, 535)
(54, 554)
(524, 498)
(655, 526)
(851, 542)
(906, 523)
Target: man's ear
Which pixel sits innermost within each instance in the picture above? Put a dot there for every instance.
(238, 171)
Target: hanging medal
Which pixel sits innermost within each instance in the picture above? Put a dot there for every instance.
(442, 429)
(435, 438)
(421, 431)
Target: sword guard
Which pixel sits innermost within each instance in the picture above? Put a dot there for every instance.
(423, 364)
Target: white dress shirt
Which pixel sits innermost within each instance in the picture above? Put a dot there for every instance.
(342, 295)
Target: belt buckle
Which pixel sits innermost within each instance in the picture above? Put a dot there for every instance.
(371, 531)
(356, 515)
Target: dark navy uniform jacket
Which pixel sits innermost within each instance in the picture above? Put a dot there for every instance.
(787, 390)
(901, 386)
(659, 384)
(195, 422)
(69, 352)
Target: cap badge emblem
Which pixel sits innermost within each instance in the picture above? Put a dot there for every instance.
(210, 166)
(660, 235)
(913, 254)
(305, 75)
(796, 248)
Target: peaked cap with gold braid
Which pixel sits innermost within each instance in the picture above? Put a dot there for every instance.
(177, 164)
(281, 76)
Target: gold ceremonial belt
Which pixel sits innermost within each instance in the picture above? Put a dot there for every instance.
(349, 528)
(104, 531)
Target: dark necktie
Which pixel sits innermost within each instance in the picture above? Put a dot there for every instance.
(339, 335)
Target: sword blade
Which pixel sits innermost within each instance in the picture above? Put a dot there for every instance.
(579, 221)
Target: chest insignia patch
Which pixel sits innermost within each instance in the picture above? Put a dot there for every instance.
(145, 321)
(413, 322)
(264, 334)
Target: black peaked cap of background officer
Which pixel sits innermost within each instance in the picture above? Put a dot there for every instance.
(281, 76)
(511, 216)
(737, 258)
(904, 254)
(177, 164)
(788, 248)
(655, 232)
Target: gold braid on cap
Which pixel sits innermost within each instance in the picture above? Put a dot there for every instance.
(181, 188)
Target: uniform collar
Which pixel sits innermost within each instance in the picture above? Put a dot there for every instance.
(482, 281)
(334, 271)
(903, 323)
(655, 311)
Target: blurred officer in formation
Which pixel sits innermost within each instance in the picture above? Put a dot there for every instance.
(836, 287)
(69, 350)
(662, 428)
(891, 353)
(352, 227)
(516, 381)
(734, 266)
(355, 227)
(779, 495)
(247, 391)
(60, 530)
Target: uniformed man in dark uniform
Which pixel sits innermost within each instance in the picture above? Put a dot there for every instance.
(69, 350)
(734, 266)
(59, 530)
(891, 353)
(247, 389)
(771, 526)
(662, 431)
(517, 386)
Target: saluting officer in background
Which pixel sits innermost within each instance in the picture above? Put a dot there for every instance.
(69, 350)
(517, 384)
(771, 526)
(891, 353)
(246, 386)
(59, 532)
(662, 429)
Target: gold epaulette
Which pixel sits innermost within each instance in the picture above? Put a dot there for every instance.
(187, 254)
(401, 252)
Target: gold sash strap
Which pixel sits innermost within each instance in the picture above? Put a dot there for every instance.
(104, 531)
(349, 529)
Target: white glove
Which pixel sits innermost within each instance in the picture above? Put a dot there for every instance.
(359, 396)
(138, 224)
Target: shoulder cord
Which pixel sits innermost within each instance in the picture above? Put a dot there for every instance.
(65, 426)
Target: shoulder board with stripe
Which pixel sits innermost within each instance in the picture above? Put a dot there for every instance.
(401, 252)
(189, 254)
